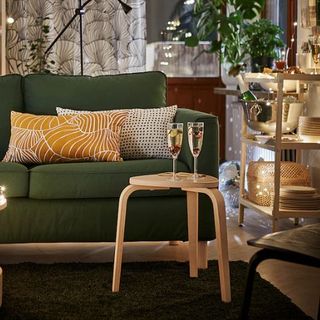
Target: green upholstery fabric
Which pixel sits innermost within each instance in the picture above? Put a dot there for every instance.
(94, 220)
(43, 93)
(208, 161)
(15, 177)
(10, 99)
(92, 179)
(78, 202)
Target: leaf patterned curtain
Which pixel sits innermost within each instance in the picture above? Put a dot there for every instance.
(113, 42)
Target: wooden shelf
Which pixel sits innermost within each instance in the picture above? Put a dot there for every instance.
(260, 209)
(276, 77)
(282, 213)
(285, 145)
(235, 92)
(277, 145)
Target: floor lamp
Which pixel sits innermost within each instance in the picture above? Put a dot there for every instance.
(80, 12)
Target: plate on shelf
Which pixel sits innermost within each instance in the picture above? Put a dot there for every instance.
(263, 138)
(299, 198)
(315, 139)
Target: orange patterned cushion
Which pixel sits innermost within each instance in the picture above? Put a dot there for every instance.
(50, 139)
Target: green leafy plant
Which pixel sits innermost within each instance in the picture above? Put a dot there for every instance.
(262, 38)
(212, 18)
(38, 61)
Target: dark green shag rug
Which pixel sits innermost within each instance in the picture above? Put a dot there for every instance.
(148, 291)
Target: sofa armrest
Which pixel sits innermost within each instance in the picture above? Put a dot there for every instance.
(208, 161)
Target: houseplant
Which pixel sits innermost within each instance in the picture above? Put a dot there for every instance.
(36, 59)
(228, 19)
(262, 39)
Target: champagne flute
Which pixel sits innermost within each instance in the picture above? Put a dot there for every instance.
(314, 43)
(175, 135)
(195, 139)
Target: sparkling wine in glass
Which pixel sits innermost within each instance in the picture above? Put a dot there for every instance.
(280, 61)
(195, 139)
(175, 135)
(314, 43)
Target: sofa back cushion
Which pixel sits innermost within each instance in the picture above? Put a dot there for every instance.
(10, 99)
(43, 93)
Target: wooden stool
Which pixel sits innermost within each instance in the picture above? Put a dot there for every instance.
(207, 185)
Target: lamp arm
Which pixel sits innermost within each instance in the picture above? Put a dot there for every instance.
(61, 33)
(79, 11)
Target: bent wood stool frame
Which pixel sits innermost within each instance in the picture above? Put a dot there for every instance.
(207, 185)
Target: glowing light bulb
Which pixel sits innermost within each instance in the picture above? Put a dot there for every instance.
(10, 20)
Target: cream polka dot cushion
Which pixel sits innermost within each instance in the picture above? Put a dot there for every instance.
(144, 134)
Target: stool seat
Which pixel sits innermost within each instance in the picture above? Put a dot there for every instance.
(304, 241)
(300, 245)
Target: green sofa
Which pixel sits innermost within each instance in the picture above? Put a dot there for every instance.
(77, 202)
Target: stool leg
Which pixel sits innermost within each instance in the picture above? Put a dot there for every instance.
(203, 255)
(192, 203)
(222, 243)
(122, 210)
(255, 260)
(221, 238)
(241, 215)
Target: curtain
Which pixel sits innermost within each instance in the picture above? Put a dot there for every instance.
(113, 41)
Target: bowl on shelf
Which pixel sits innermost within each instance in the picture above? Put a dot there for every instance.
(267, 81)
(288, 85)
(260, 115)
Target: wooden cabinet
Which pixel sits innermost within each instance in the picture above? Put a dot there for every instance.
(198, 94)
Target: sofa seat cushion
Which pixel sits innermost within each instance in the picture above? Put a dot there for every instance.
(94, 179)
(15, 178)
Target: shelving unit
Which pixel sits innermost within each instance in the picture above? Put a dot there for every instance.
(276, 145)
(3, 19)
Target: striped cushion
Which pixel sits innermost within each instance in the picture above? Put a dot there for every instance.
(51, 139)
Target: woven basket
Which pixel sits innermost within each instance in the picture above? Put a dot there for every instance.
(260, 177)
